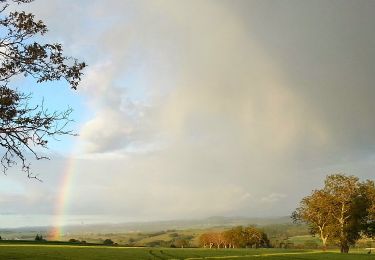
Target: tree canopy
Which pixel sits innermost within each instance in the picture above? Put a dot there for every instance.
(23, 128)
(235, 237)
(341, 212)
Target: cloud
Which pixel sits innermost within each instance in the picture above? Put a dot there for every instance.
(273, 197)
(110, 126)
(225, 106)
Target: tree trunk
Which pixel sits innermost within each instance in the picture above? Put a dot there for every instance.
(323, 237)
(324, 241)
(344, 247)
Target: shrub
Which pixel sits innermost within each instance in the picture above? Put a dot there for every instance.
(108, 242)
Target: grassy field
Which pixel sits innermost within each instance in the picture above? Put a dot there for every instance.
(8, 251)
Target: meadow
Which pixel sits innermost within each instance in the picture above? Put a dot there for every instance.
(35, 251)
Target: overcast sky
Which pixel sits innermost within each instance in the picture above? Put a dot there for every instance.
(197, 108)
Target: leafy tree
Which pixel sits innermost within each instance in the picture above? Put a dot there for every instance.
(252, 237)
(230, 237)
(204, 240)
(235, 237)
(349, 208)
(39, 238)
(339, 212)
(218, 239)
(23, 128)
(265, 241)
(180, 242)
(108, 242)
(208, 239)
(368, 191)
(317, 211)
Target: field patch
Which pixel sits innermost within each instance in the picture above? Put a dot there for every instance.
(29, 251)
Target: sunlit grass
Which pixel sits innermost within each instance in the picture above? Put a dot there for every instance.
(34, 251)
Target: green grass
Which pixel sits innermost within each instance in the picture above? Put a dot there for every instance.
(139, 238)
(49, 251)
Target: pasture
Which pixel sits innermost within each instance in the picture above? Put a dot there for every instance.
(35, 251)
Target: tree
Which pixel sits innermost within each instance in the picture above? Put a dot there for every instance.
(39, 238)
(235, 237)
(317, 211)
(108, 242)
(218, 239)
(338, 212)
(349, 208)
(230, 238)
(368, 191)
(254, 237)
(180, 242)
(265, 240)
(204, 240)
(23, 128)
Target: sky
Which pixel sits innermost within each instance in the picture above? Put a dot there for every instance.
(190, 109)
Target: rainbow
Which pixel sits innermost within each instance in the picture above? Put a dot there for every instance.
(63, 198)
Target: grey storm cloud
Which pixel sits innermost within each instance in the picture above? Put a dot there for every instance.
(229, 106)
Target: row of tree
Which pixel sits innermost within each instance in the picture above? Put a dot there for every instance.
(341, 212)
(234, 238)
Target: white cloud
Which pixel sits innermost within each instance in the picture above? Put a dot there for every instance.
(273, 197)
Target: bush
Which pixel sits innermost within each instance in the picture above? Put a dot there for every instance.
(39, 238)
(108, 242)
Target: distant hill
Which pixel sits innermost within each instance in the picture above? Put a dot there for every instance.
(152, 226)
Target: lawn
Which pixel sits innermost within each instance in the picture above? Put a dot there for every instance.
(8, 251)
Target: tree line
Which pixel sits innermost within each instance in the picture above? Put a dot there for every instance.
(235, 238)
(340, 213)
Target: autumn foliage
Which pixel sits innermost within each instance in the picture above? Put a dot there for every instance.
(341, 212)
(235, 238)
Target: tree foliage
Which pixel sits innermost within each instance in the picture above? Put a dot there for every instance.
(318, 212)
(23, 128)
(341, 212)
(39, 238)
(235, 238)
(368, 188)
(108, 242)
